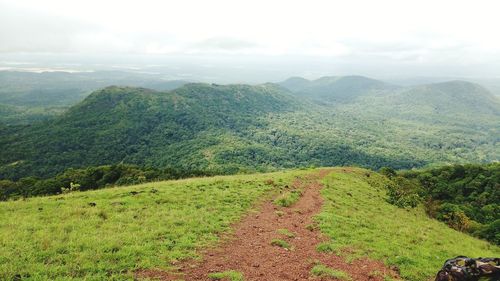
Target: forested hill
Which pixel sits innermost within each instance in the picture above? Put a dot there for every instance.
(336, 88)
(142, 126)
(27, 97)
(223, 129)
(447, 97)
(450, 97)
(466, 197)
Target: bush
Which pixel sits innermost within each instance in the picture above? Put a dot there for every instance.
(491, 232)
(388, 172)
(403, 192)
(454, 216)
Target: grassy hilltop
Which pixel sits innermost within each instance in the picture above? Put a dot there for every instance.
(113, 232)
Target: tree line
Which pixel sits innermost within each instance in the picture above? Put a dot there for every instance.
(466, 197)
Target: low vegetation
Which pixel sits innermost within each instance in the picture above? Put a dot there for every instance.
(288, 198)
(360, 221)
(286, 233)
(109, 233)
(326, 272)
(281, 243)
(88, 179)
(230, 275)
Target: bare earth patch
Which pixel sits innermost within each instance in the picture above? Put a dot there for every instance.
(251, 252)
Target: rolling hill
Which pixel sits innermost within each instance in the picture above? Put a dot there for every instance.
(340, 89)
(458, 101)
(32, 97)
(223, 129)
(443, 99)
(136, 125)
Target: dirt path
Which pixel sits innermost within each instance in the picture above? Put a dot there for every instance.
(250, 252)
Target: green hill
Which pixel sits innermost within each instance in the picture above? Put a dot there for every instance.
(439, 99)
(448, 102)
(339, 89)
(27, 97)
(111, 233)
(225, 129)
(466, 197)
(136, 125)
(48, 89)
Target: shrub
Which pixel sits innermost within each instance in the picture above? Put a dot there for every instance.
(404, 193)
(453, 216)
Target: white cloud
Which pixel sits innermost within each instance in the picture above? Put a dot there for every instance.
(425, 31)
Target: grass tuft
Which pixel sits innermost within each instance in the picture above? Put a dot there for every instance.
(326, 247)
(288, 198)
(323, 271)
(231, 275)
(279, 213)
(281, 243)
(286, 232)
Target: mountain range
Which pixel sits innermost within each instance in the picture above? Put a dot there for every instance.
(330, 121)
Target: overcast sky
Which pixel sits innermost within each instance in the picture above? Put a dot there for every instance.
(451, 37)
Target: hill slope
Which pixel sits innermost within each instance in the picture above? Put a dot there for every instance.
(136, 125)
(241, 128)
(40, 96)
(360, 222)
(441, 99)
(336, 89)
(115, 232)
(461, 101)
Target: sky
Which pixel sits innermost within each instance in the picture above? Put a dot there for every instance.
(314, 37)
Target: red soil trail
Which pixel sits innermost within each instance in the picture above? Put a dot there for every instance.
(250, 252)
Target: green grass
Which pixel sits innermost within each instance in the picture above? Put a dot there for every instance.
(286, 232)
(364, 224)
(66, 237)
(230, 275)
(281, 243)
(324, 271)
(288, 198)
(279, 213)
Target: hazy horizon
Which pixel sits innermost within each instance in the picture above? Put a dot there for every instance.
(235, 41)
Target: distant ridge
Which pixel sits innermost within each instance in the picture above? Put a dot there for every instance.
(336, 88)
(449, 97)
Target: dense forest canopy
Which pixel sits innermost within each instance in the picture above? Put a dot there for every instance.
(225, 129)
(27, 97)
(466, 197)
